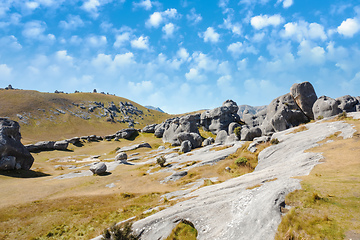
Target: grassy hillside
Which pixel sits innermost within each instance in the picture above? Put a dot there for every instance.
(55, 116)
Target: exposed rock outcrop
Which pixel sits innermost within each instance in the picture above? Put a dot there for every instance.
(186, 146)
(149, 128)
(13, 153)
(347, 103)
(219, 118)
(98, 168)
(326, 107)
(304, 96)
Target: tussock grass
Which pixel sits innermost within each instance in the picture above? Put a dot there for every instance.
(184, 230)
(301, 128)
(327, 206)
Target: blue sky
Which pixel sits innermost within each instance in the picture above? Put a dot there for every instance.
(184, 55)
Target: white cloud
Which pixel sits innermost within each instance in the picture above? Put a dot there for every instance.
(302, 30)
(310, 54)
(62, 56)
(286, 3)
(122, 39)
(72, 23)
(96, 41)
(195, 75)
(349, 27)
(5, 72)
(140, 43)
(157, 18)
(238, 48)
(205, 62)
(193, 17)
(141, 87)
(32, 5)
(183, 54)
(146, 4)
(262, 21)
(35, 30)
(169, 30)
(210, 35)
(91, 6)
(235, 28)
(10, 42)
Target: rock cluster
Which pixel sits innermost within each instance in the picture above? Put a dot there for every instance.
(13, 153)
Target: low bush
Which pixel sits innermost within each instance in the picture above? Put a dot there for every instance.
(161, 161)
(241, 161)
(237, 132)
(120, 232)
(274, 141)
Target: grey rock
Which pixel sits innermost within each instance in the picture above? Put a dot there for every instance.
(249, 109)
(134, 147)
(61, 145)
(232, 127)
(347, 103)
(208, 141)
(194, 138)
(126, 133)
(7, 163)
(219, 118)
(221, 137)
(41, 146)
(149, 128)
(304, 96)
(186, 146)
(10, 145)
(74, 140)
(161, 148)
(252, 147)
(326, 107)
(98, 168)
(282, 113)
(185, 124)
(121, 157)
(231, 138)
(228, 169)
(248, 134)
(176, 176)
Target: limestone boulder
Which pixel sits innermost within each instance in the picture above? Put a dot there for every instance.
(347, 103)
(221, 137)
(149, 128)
(121, 157)
(98, 168)
(208, 141)
(248, 134)
(194, 138)
(186, 146)
(232, 127)
(304, 96)
(126, 133)
(11, 147)
(219, 118)
(61, 145)
(185, 124)
(326, 107)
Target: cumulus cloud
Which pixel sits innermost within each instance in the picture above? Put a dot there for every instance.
(302, 30)
(169, 30)
(310, 54)
(72, 23)
(96, 41)
(286, 3)
(91, 6)
(10, 42)
(141, 87)
(193, 17)
(235, 28)
(35, 30)
(349, 27)
(122, 39)
(140, 43)
(239, 48)
(195, 75)
(210, 35)
(146, 4)
(5, 72)
(263, 21)
(158, 18)
(183, 54)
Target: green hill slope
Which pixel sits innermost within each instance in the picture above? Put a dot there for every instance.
(55, 116)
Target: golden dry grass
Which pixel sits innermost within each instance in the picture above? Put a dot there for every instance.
(327, 206)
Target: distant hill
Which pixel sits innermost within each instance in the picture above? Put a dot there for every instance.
(56, 116)
(155, 108)
(251, 109)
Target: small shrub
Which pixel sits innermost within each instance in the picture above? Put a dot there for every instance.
(320, 117)
(241, 161)
(342, 115)
(237, 132)
(161, 161)
(120, 233)
(274, 141)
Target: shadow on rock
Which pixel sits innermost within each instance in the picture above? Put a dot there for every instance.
(23, 173)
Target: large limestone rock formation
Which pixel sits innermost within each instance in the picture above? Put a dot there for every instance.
(185, 124)
(219, 118)
(13, 154)
(282, 113)
(304, 96)
(326, 107)
(348, 103)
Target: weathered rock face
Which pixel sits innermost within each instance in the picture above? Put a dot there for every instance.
(254, 120)
(232, 127)
(11, 147)
(160, 128)
(219, 118)
(186, 124)
(221, 137)
(304, 96)
(347, 103)
(186, 146)
(194, 138)
(126, 133)
(149, 128)
(326, 107)
(248, 134)
(121, 157)
(282, 113)
(98, 168)
(61, 145)
(208, 141)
